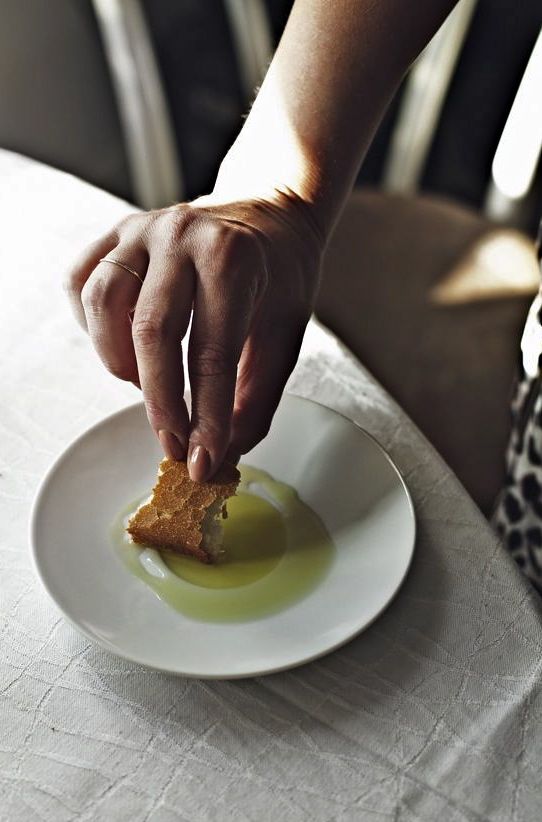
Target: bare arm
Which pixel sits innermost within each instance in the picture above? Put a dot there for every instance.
(336, 68)
(244, 261)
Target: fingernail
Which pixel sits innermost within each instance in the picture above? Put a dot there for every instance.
(173, 447)
(199, 464)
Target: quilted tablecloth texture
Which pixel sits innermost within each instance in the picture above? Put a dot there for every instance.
(433, 713)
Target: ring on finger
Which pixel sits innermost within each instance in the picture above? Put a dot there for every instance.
(130, 270)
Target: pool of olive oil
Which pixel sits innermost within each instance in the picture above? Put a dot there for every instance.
(276, 550)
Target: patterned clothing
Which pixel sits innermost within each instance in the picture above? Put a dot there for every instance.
(518, 514)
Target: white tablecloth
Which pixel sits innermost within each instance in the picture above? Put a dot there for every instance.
(432, 713)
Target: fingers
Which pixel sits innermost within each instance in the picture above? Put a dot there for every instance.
(239, 357)
(160, 322)
(225, 299)
(108, 298)
(81, 270)
(268, 359)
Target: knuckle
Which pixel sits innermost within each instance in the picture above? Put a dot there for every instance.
(73, 282)
(95, 296)
(161, 412)
(231, 247)
(233, 260)
(119, 370)
(211, 359)
(172, 225)
(156, 412)
(216, 233)
(130, 224)
(151, 330)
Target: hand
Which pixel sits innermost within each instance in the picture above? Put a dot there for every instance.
(247, 272)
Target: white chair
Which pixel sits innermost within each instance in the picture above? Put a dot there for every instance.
(148, 131)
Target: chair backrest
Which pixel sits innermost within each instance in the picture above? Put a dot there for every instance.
(422, 101)
(144, 113)
(518, 153)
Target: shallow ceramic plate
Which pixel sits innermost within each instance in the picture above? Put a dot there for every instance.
(338, 469)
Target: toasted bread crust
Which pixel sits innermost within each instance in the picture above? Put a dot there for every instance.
(173, 517)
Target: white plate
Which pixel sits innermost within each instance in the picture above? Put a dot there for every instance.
(338, 469)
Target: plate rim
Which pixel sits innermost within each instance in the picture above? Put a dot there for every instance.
(131, 658)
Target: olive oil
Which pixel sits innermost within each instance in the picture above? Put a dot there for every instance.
(276, 550)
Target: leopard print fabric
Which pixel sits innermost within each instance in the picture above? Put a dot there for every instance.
(518, 513)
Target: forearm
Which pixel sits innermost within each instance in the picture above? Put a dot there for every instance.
(330, 81)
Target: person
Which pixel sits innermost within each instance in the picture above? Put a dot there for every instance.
(518, 511)
(242, 263)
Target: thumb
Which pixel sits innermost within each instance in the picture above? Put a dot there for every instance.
(268, 359)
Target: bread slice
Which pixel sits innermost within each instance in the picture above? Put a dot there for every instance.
(183, 515)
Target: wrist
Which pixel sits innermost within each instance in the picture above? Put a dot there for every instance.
(264, 208)
(297, 186)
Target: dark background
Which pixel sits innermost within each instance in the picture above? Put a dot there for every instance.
(57, 103)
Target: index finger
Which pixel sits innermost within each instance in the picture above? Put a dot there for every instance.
(223, 308)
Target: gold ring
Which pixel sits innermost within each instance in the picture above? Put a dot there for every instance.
(122, 265)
